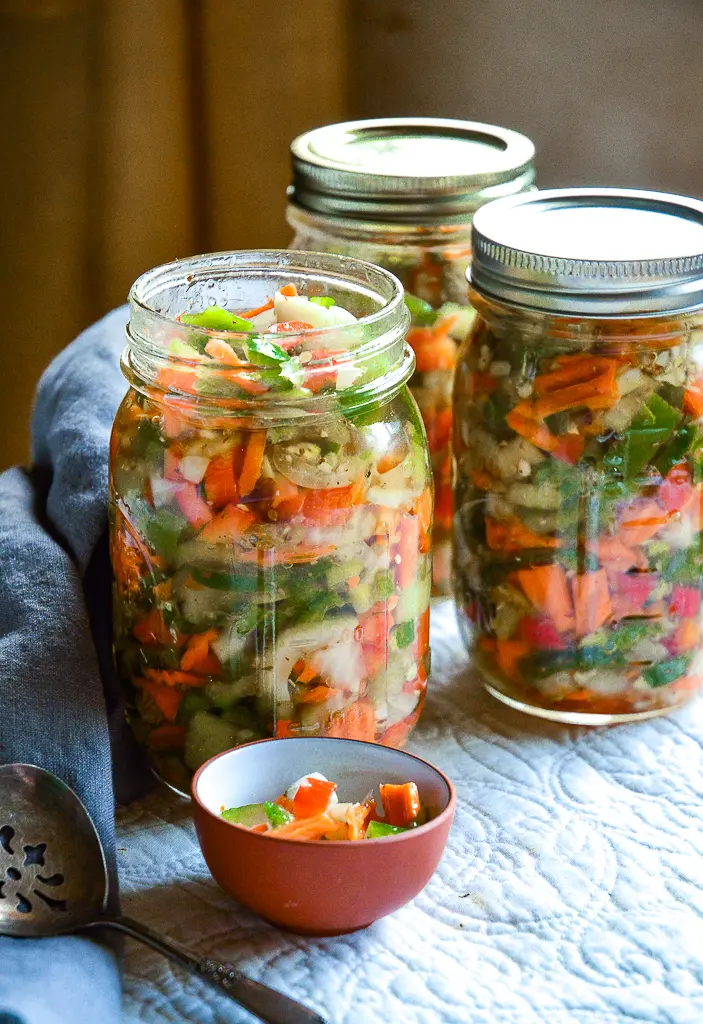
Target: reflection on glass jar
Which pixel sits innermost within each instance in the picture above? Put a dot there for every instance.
(579, 454)
(271, 508)
(401, 193)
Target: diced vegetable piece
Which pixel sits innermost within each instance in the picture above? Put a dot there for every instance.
(312, 797)
(215, 318)
(401, 803)
(277, 815)
(379, 830)
(249, 815)
(547, 588)
(592, 605)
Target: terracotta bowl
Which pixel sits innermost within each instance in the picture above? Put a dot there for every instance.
(318, 888)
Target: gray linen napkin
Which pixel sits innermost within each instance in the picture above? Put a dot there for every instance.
(60, 701)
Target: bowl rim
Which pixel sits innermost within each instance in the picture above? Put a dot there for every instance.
(446, 813)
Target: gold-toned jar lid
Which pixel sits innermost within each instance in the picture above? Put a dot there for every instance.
(591, 251)
(408, 169)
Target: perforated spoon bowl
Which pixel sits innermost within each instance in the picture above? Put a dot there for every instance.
(53, 880)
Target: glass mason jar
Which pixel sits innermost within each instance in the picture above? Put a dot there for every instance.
(401, 193)
(270, 508)
(578, 452)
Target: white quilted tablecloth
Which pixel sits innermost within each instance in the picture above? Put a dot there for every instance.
(571, 891)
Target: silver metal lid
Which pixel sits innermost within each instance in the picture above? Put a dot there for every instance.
(408, 168)
(591, 251)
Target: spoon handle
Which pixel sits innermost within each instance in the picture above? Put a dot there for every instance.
(268, 1004)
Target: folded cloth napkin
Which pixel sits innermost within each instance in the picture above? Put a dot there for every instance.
(61, 707)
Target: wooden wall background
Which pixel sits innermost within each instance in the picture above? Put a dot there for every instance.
(136, 131)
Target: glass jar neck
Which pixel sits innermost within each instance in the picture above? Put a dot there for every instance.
(456, 231)
(574, 330)
(249, 372)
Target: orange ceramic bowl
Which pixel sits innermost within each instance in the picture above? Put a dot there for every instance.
(318, 888)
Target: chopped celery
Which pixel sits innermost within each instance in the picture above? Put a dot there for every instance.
(249, 815)
(179, 348)
(340, 572)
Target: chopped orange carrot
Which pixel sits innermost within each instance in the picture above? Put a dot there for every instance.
(167, 698)
(357, 722)
(219, 480)
(509, 654)
(303, 672)
(152, 629)
(167, 737)
(525, 424)
(592, 605)
(357, 818)
(177, 379)
(312, 797)
(288, 289)
(573, 370)
(317, 694)
(639, 524)
(358, 491)
(253, 457)
(569, 448)
(307, 828)
(220, 351)
(353, 581)
(249, 313)
(547, 589)
(232, 522)
(693, 398)
(512, 535)
(401, 804)
(173, 677)
(197, 656)
(598, 393)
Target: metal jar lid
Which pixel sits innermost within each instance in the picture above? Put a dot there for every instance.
(407, 169)
(591, 251)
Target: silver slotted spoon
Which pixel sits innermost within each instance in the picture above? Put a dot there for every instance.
(53, 880)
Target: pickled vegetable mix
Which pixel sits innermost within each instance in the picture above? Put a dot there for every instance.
(579, 458)
(271, 513)
(401, 192)
(310, 809)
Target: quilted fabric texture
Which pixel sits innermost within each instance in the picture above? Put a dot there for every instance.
(571, 890)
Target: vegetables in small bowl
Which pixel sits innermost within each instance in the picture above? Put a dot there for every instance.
(310, 809)
(319, 887)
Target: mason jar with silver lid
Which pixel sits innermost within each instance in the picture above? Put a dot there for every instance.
(401, 193)
(578, 453)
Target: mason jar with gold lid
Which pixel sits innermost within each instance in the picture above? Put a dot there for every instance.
(578, 448)
(401, 193)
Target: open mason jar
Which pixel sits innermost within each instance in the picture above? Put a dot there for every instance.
(578, 449)
(270, 507)
(401, 193)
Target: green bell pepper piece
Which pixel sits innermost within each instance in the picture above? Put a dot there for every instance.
(383, 585)
(421, 311)
(215, 318)
(276, 814)
(163, 531)
(650, 429)
(322, 300)
(666, 671)
(379, 829)
(262, 352)
(404, 633)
